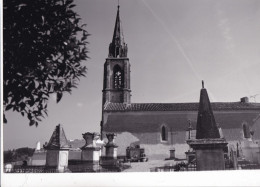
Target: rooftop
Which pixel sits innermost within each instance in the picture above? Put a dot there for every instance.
(217, 106)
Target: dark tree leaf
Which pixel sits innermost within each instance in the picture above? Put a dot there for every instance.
(59, 96)
(43, 48)
(5, 121)
(22, 105)
(32, 122)
(8, 107)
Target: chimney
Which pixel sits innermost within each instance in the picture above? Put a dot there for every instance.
(244, 100)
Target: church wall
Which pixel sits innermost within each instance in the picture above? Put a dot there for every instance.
(147, 121)
(148, 141)
(144, 128)
(151, 121)
(256, 128)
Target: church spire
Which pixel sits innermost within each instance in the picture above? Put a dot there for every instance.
(206, 124)
(117, 47)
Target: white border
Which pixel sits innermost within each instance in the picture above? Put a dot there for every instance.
(1, 90)
(212, 178)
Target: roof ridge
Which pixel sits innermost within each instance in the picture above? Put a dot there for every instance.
(192, 106)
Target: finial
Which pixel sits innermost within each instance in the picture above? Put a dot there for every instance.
(118, 4)
(202, 84)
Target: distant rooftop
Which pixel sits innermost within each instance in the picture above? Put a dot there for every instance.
(217, 106)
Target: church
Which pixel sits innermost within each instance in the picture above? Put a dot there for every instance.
(160, 127)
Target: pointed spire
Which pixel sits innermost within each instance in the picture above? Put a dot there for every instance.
(206, 124)
(118, 48)
(58, 139)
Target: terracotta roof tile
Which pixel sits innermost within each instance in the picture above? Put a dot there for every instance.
(176, 121)
(58, 139)
(179, 106)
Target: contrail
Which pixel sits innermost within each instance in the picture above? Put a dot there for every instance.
(174, 40)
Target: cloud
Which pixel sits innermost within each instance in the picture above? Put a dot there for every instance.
(174, 39)
(224, 26)
(79, 104)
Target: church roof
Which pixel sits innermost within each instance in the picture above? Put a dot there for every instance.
(217, 106)
(58, 139)
(206, 124)
(138, 122)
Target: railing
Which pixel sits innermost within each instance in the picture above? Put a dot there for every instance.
(104, 165)
(250, 166)
(112, 165)
(191, 167)
(91, 168)
(175, 168)
(32, 169)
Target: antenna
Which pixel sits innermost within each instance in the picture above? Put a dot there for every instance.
(254, 96)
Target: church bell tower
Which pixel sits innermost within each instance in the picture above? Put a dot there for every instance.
(116, 85)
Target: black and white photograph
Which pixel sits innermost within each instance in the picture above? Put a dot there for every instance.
(142, 87)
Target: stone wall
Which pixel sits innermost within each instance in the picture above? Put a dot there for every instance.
(154, 147)
(210, 159)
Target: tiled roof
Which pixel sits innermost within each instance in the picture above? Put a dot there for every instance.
(113, 107)
(140, 122)
(58, 139)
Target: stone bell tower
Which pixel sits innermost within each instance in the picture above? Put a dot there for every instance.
(116, 85)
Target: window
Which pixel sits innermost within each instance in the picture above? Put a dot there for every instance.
(246, 130)
(164, 134)
(118, 77)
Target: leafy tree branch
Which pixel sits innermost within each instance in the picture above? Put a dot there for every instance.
(44, 47)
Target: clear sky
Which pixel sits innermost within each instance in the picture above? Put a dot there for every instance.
(172, 46)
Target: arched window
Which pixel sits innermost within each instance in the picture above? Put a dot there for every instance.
(246, 130)
(164, 134)
(118, 77)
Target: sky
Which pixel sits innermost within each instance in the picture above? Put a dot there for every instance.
(172, 46)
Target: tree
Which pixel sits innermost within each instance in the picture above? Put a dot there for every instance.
(8, 156)
(44, 46)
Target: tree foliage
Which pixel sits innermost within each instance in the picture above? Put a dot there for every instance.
(20, 154)
(44, 46)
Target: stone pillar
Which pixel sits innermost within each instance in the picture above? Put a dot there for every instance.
(90, 152)
(233, 157)
(57, 154)
(111, 147)
(190, 155)
(209, 145)
(172, 153)
(58, 159)
(209, 153)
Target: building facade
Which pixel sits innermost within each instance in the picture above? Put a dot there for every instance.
(159, 127)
